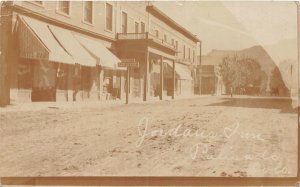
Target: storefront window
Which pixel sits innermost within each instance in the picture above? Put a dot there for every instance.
(25, 75)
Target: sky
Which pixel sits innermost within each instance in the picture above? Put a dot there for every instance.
(237, 25)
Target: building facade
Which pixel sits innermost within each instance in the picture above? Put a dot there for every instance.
(70, 50)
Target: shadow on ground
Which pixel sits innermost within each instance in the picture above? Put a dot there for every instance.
(284, 105)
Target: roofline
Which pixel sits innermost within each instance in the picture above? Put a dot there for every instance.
(159, 14)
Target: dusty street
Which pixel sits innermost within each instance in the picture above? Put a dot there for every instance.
(207, 136)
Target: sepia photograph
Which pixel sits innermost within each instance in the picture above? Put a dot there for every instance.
(149, 88)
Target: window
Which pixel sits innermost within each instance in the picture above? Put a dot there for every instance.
(88, 11)
(39, 2)
(109, 16)
(136, 27)
(124, 22)
(165, 38)
(183, 51)
(142, 27)
(157, 33)
(176, 45)
(193, 55)
(172, 42)
(189, 53)
(64, 7)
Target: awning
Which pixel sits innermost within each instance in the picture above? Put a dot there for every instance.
(73, 47)
(181, 70)
(37, 42)
(104, 57)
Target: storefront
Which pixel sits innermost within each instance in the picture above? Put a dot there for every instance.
(56, 64)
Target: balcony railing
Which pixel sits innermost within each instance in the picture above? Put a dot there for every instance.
(144, 36)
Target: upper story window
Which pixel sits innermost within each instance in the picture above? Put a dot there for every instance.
(176, 45)
(157, 33)
(172, 41)
(124, 22)
(142, 27)
(183, 51)
(109, 16)
(165, 38)
(189, 53)
(88, 11)
(136, 27)
(193, 55)
(63, 7)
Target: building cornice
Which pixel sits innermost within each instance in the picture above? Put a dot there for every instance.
(22, 10)
(163, 17)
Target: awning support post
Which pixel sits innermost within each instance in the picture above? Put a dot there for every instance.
(127, 85)
(173, 80)
(161, 78)
(146, 77)
(101, 74)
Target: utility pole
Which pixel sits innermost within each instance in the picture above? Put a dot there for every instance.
(199, 67)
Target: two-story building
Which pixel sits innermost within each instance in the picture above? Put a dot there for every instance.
(70, 50)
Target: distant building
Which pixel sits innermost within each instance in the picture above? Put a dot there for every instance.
(211, 80)
(70, 50)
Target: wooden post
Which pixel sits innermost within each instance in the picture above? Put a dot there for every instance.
(120, 85)
(200, 67)
(173, 81)
(127, 85)
(161, 78)
(101, 74)
(146, 77)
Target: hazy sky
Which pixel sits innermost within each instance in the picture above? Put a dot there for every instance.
(235, 25)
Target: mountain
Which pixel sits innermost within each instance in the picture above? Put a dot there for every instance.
(267, 64)
(283, 50)
(258, 53)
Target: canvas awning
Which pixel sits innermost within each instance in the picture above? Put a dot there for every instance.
(37, 42)
(73, 47)
(104, 57)
(181, 70)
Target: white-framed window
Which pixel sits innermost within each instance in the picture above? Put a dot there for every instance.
(63, 7)
(136, 27)
(38, 2)
(109, 16)
(143, 29)
(157, 33)
(193, 55)
(124, 22)
(88, 11)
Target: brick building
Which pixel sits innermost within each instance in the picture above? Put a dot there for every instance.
(70, 50)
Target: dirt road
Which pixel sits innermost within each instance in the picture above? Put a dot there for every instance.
(208, 136)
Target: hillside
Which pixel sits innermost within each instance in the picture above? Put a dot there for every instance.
(258, 53)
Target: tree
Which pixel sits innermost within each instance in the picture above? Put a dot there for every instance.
(241, 73)
(277, 84)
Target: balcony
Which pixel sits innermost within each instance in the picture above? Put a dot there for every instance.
(146, 36)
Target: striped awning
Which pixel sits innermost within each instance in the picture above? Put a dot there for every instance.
(72, 46)
(181, 70)
(37, 42)
(104, 57)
